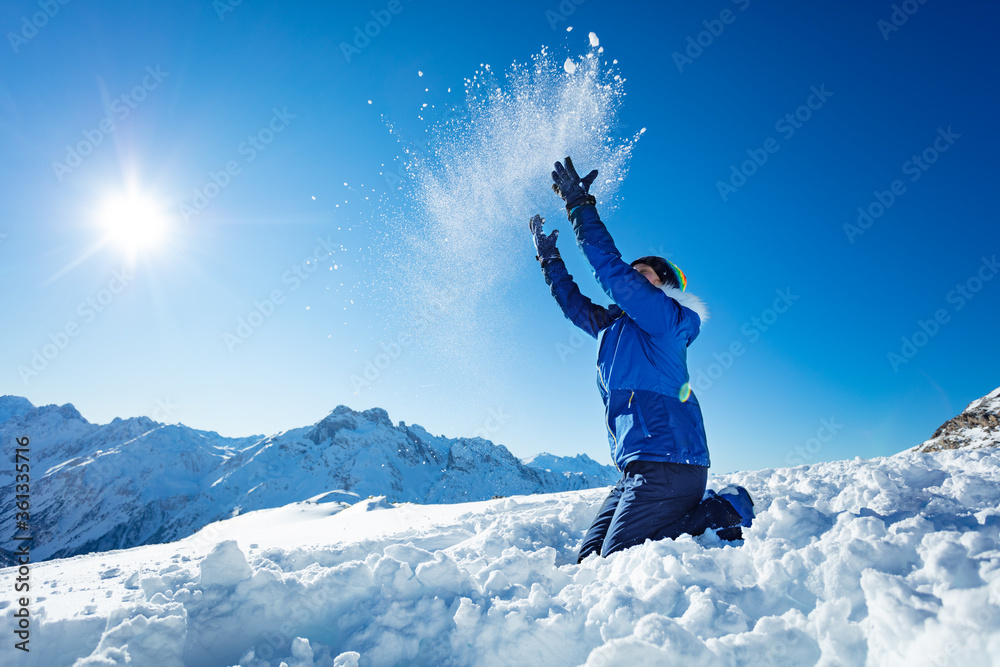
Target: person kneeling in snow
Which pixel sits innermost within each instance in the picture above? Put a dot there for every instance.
(655, 427)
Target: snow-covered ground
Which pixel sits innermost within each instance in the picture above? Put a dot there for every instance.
(891, 561)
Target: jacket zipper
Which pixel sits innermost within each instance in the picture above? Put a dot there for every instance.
(614, 456)
(614, 356)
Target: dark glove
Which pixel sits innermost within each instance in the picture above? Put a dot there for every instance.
(545, 246)
(574, 190)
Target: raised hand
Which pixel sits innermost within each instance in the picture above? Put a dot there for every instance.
(574, 190)
(545, 246)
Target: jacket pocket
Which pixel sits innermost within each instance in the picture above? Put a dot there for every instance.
(689, 433)
(638, 414)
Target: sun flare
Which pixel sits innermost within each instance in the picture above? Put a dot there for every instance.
(133, 221)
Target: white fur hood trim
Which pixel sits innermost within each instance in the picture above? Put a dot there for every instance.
(687, 300)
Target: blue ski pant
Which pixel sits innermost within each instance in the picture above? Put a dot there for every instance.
(655, 500)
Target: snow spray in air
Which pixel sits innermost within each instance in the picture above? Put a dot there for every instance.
(486, 169)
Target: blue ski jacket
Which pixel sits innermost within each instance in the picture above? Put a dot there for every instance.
(650, 411)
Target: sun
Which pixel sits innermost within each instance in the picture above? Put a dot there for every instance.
(133, 221)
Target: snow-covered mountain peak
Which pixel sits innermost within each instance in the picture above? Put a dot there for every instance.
(65, 412)
(343, 418)
(378, 415)
(13, 406)
(562, 464)
(130, 428)
(977, 426)
(989, 402)
(143, 420)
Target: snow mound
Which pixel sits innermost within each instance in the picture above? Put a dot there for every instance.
(225, 566)
(884, 561)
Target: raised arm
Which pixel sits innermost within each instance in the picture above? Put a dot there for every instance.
(645, 303)
(577, 308)
(652, 310)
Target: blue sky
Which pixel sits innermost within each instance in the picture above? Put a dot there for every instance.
(265, 113)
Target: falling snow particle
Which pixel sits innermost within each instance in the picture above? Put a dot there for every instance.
(419, 73)
(569, 66)
(593, 39)
(569, 29)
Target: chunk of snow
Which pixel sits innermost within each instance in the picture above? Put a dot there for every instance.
(225, 566)
(569, 66)
(593, 40)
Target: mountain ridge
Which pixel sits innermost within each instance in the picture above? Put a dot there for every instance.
(136, 481)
